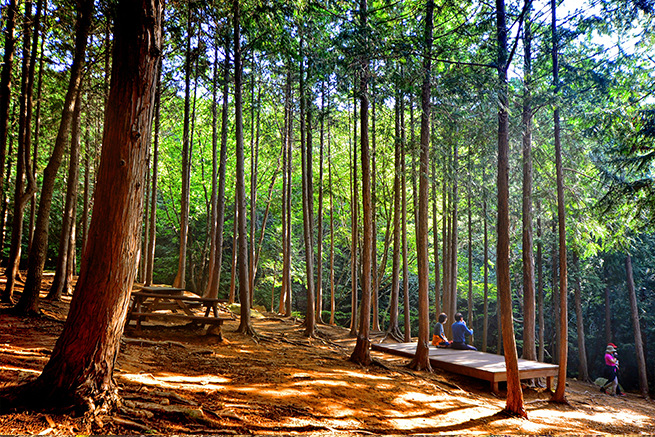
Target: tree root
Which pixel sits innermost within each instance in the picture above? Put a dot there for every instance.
(126, 423)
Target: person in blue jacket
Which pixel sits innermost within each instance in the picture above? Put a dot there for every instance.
(459, 334)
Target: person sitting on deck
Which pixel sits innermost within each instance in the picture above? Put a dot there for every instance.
(439, 337)
(459, 334)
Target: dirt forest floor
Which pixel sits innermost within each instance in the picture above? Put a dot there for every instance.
(180, 380)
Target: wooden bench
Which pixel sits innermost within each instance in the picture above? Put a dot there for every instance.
(147, 302)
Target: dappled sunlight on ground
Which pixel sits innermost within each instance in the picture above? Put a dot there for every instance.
(284, 383)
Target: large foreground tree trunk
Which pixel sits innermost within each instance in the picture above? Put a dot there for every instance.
(79, 373)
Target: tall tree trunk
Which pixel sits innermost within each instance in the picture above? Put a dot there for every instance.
(254, 158)
(79, 373)
(362, 354)
(529, 346)
(87, 194)
(150, 267)
(289, 151)
(540, 289)
(22, 158)
(319, 237)
(37, 133)
(559, 395)
(215, 274)
(514, 393)
(285, 181)
(245, 325)
(29, 302)
(556, 293)
(235, 253)
(213, 250)
(454, 236)
(485, 262)
(469, 211)
(180, 278)
(375, 278)
(634, 313)
(307, 196)
(421, 360)
(445, 226)
(583, 368)
(5, 83)
(70, 208)
(393, 329)
(435, 231)
(608, 315)
(332, 290)
(403, 182)
(354, 221)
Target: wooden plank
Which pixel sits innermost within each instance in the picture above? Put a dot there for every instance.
(163, 290)
(182, 298)
(199, 319)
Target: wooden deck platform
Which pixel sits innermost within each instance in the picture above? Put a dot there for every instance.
(476, 364)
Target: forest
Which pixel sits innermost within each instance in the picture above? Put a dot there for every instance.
(368, 164)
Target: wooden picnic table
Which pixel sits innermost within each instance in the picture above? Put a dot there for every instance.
(151, 301)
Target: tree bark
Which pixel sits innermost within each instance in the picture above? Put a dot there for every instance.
(29, 302)
(514, 403)
(634, 313)
(421, 360)
(79, 373)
